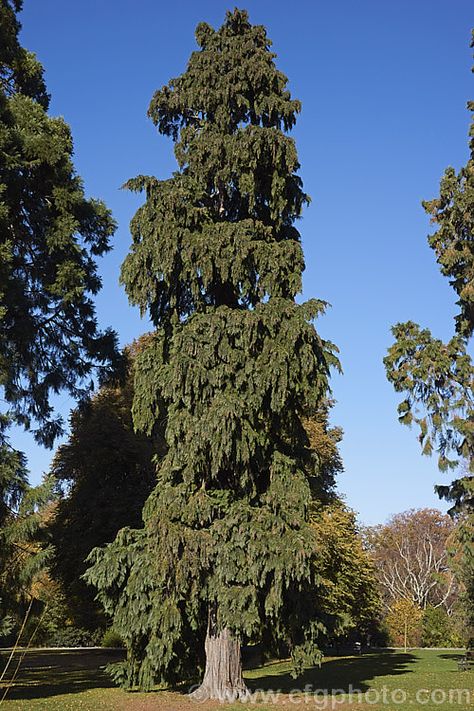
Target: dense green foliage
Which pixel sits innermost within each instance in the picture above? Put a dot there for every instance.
(438, 378)
(101, 493)
(106, 492)
(232, 369)
(349, 596)
(50, 237)
(438, 629)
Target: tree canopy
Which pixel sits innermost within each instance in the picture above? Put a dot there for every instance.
(349, 596)
(105, 473)
(234, 366)
(411, 556)
(50, 237)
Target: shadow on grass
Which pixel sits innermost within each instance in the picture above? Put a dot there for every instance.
(48, 673)
(341, 673)
(45, 673)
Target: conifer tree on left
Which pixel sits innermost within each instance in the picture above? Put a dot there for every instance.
(50, 235)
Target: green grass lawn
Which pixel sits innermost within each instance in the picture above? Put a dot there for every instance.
(422, 679)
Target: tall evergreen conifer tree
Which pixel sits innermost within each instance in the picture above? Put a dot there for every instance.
(227, 549)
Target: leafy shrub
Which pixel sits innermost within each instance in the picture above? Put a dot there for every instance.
(73, 637)
(111, 638)
(438, 629)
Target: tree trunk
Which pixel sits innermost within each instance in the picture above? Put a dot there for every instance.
(223, 674)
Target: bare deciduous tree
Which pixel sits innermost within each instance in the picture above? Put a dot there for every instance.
(411, 556)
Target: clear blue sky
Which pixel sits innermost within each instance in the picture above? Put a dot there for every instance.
(384, 87)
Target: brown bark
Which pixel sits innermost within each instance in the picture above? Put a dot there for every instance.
(223, 674)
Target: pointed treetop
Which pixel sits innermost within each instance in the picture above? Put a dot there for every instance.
(231, 81)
